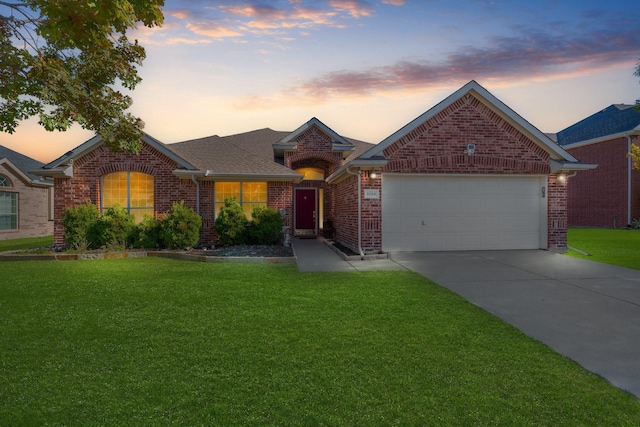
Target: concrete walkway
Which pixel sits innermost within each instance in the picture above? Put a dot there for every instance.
(314, 255)
(584, 310)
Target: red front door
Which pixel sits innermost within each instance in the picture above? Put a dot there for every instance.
(305, 215)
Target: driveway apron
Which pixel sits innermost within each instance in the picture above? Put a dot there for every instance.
(585, 310)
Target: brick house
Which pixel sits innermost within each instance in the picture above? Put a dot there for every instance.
(25, 199)
(467, 174)
(608, 196)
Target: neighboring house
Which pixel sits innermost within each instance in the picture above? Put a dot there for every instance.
(25, 199)
(608, 196)
(468, 174)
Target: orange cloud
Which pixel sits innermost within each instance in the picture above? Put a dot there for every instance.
(213, 29)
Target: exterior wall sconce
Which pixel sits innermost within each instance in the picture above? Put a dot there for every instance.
(562, 178)
(373, 175)
(471, 148)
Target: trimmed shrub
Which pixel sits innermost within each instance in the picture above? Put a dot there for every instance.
(231, 223)
(77, 222)
(180, 227)
(266, 227)
(147, 234)
(113, 229)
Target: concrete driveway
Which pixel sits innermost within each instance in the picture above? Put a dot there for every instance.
(587, 311)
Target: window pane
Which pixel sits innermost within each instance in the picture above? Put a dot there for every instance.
(8, 211)
(254, 192)
(114, 190)
(227, 189)
(141, 190)
(4, 181)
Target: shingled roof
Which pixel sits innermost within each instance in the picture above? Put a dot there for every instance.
(615, 119)
(22, 162)
(249, 153)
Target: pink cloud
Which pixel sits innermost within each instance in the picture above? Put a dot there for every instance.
(508, 58)
(355, 8)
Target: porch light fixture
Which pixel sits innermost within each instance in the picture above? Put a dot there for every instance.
(373, 175)
(562, 178)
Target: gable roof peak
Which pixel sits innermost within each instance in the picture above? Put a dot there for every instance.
(484, 96)
(314, 121)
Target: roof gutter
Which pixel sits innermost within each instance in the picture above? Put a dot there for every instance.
(635, 131)
(197, 183)
(558, 166)
(210, 176)
(362, 164)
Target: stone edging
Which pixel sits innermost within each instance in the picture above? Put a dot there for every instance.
(14, 256)
(223, 259)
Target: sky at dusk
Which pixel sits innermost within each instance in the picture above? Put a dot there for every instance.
(367, 68)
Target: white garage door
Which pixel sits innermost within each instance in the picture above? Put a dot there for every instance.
(446, 213)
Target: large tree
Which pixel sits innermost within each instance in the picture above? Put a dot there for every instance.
(68, 61)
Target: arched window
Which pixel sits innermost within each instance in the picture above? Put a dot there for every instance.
(134, 191)
(311, 174)
(8, 206)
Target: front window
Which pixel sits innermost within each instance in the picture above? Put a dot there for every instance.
(8, 206)
(134, 191)
(249, 194)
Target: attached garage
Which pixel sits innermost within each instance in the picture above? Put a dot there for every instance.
(468, 174)
(448, 213)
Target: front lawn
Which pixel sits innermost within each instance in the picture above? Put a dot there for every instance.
(25, 243)
(152, 341)
(612, 246)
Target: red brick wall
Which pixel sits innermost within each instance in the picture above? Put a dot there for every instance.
(437, 146)
(371, 214)
(346, 205)
(87, 170)
(280, 196)
(557, 213)
(598, 198)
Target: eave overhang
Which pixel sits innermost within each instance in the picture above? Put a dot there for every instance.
(63, 171)
(633, 132)
(558, 166)
(280, 149)
(62, 167)
(357, 164)
(233, 177)
(23, 176)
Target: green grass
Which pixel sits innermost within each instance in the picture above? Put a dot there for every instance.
(612, 246)
(157, 342)
(26, 243)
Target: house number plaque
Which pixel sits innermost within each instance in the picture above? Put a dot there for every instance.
(370, 193)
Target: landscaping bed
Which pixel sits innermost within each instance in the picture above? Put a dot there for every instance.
(239, 253)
